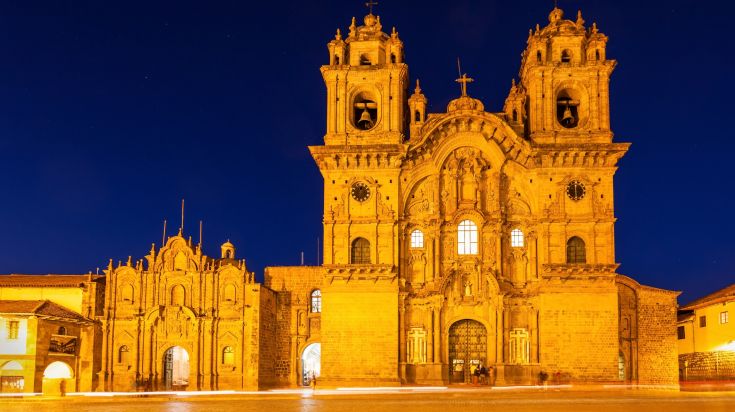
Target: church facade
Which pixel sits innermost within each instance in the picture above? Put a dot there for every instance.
(467, 237)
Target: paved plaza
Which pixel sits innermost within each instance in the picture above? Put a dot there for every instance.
(440, 400)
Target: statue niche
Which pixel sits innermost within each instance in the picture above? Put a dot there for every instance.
(417, 261)
(463, 178)
(518, 267)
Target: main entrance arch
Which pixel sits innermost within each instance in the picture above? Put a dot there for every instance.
(467, 349)
(176, 368)
(311, 361)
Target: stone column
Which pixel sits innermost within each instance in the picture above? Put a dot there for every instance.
(437, 335)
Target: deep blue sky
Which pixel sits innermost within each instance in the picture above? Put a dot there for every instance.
(111, 113)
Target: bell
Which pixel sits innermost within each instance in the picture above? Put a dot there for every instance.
(567, 117)
(365, 122)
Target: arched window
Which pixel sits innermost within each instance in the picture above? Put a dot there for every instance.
(597, 55)
(516, 238)
(360, 251)
(316, 301)
(122, 354)
(62, 331)
(365, 60)
(393, 58)
(336, 60)
(515, 115)
(467, 238)
(126, 295)
(228, 356)
(230, 292)
(566, 56)
(538, 57)
(575, 250)
(417, 116)
(178, 295)
(417, 239)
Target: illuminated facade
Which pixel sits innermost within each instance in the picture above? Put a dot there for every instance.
(180, 320)
(468, 237)
(48, 332)
(451, 240)
(706, 335)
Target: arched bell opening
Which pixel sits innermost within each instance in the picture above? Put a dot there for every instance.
(365, 111)
(567, 108)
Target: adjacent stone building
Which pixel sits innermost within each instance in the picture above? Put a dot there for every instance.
(180, 320)
(706, 337)
(49, 332)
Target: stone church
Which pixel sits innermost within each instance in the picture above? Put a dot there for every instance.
(451, 240)
(470, 237)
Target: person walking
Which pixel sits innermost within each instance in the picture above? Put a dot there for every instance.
(313, 380)
(476, 375)
(62, 387)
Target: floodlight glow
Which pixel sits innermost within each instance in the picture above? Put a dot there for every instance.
(57, 370)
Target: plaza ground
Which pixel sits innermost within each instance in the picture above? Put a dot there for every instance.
(387, 400)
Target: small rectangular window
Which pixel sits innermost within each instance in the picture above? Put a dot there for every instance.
(680, 333)
(13, 326)
(723, 317)
(703, 321)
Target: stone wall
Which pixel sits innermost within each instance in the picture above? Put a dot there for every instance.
(657, 353)
(578, 334)
(297, 325)
(266, 339)
(360, 333)
(707, 366)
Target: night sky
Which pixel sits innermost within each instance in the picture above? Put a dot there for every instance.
(111, 113)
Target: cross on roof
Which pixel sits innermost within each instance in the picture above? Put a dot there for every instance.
(463, 80)
(370, 4)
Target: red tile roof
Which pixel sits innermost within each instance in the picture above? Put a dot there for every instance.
(40, 308)
(726, 293)
(46, 280)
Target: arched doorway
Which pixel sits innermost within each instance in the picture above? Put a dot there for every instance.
(11, 377)
(176, 368)
(57, 376)
(311, 363)
(467, 349)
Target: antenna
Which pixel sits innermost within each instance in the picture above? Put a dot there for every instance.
(302, 258)
(182, 216)
(459, 68)
(163, 239)
(200, 232)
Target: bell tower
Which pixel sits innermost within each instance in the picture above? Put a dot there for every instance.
(360, 161)
(563, 94)
(366, 81)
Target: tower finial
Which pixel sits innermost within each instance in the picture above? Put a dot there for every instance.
(418, 87)
(463, 79)
(580, 20)
(338, 36)
(370, 4)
